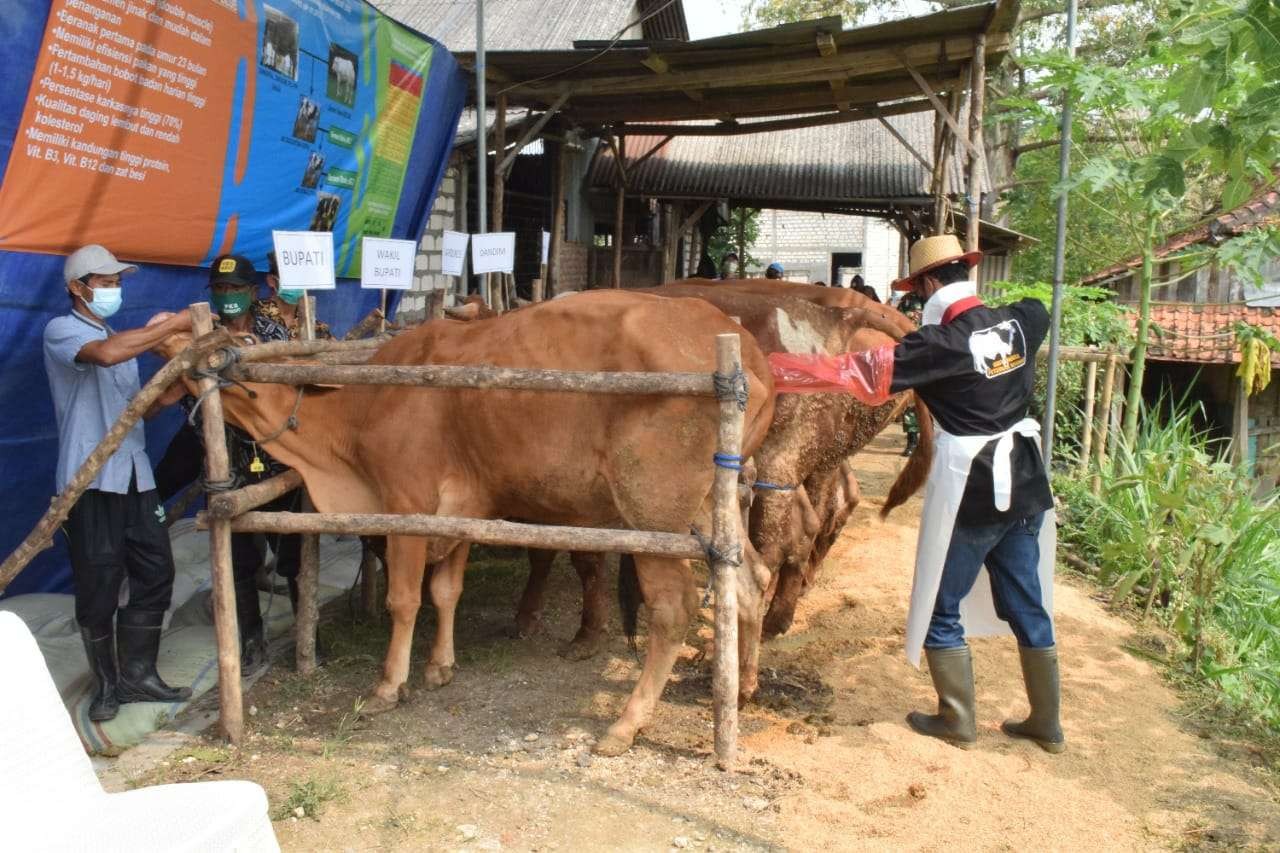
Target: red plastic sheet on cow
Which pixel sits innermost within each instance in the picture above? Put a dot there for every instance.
(866, 374)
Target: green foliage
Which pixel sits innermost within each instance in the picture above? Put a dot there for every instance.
(1089, 317)
(310, 796)
(725, 238)
(1178, 532)
(757, 14)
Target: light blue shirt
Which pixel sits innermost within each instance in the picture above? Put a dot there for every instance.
(88, 400)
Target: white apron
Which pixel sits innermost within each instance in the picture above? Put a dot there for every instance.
(953, 456)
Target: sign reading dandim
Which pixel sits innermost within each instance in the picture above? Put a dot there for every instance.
(174, 130)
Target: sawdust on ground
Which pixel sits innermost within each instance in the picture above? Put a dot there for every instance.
(500, 758)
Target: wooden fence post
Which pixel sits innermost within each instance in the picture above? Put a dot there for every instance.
(226, 626)
(307, 616)
(1086, 437)
(1104, 421)
(726, 542)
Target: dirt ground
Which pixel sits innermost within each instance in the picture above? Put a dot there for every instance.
(500, 758)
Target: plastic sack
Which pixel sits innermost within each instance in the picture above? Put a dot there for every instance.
(865, 374)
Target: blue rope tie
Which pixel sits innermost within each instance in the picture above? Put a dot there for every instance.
(774, 487)
(728, 460)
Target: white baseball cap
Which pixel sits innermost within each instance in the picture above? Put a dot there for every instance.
(93, 260)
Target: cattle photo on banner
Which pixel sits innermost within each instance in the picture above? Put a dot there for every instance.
(173, 132)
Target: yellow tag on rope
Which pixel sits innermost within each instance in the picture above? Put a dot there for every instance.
(256, 466)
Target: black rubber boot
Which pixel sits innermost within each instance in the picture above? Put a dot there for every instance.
(253, 644)
(137, 646)
(913, 438)
(952, 674)
(101, 652)
(1040, 673)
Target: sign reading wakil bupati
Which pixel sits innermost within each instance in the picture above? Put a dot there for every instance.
(175, 130)
(387, 264)
(305, 259)
(493, 252)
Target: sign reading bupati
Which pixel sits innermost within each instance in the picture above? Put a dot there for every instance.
(387, 264)
(305, 259)
(175, 130)
(493, 252)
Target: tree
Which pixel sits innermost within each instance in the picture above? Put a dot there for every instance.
(736, 235)
(1192, 120)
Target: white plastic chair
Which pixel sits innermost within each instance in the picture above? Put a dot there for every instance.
(50, 798)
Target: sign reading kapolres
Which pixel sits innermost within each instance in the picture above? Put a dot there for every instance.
(175, 130)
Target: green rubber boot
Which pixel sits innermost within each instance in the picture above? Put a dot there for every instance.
(1040, 672)
(952, 674)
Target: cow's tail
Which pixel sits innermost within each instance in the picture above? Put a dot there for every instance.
(917, 468)
(629, 597)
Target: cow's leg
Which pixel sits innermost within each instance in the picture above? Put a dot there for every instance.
(446, 589)
(529, 611)
(752, 581)
(667, 587)
(406, 561)
(591, 633)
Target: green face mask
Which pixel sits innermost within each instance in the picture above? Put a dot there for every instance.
(229, 305)
(290, 296)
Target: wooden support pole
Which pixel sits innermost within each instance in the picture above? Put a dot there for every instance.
(1104, 422)
(948, 116)
(977, 102)
(741, 247)
(483, 531)
(1086, 437)
(560, 175)
(1240, 423)
(498, 293)
(670, 240)
(41, 536)
(370, 586)
(618, 210)
(893, 131)
(435, 304)
(307, 617)
(726, 542)
(458, 376)
(537, 290)
(508, 158)
(226, 627)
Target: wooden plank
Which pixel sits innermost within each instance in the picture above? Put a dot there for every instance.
(795, 123)
(942, 110)
(1090, 389)
(529, 133)
(226, 628)
(726, 538)
(858, 63)
(477, 377)
(483, 531)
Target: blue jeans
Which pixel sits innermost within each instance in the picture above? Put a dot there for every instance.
(1011, 552)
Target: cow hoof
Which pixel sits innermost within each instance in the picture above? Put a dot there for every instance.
(438, 675)
(582, 647)
(375, 704)
(612, 744)
(527, 626)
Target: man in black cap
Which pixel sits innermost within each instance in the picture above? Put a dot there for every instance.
(233, 286)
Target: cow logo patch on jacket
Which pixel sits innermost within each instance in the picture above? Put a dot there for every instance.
(998, 349)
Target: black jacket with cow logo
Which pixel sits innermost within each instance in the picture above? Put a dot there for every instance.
(976, 374)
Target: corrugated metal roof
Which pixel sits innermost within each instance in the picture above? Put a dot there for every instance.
(856, 161)
(513, 24)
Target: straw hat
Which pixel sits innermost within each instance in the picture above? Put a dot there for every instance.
(933, 252)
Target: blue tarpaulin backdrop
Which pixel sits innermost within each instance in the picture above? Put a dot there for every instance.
(32, 292)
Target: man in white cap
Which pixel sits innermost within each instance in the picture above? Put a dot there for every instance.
(116, 529)
(987, 503)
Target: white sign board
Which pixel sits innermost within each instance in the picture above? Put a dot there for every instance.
(493, 252)
(387, 264)
(453, 253)
(305, 259)
(546, 245)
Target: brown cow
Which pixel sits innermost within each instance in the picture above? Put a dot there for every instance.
(640, 462)
(806, 450)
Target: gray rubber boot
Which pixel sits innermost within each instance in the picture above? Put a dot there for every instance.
(952, 674)
(1040, 672)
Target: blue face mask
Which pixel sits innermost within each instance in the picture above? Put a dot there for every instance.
(106, 301)
(290, 296)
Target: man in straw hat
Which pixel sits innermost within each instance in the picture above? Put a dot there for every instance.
(987, 503)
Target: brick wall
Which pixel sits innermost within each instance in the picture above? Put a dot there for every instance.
(427, 276)
(573, 267)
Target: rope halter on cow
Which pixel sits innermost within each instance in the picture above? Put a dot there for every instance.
(732, 387)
